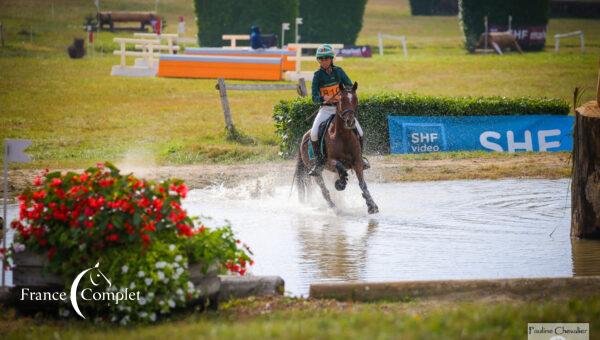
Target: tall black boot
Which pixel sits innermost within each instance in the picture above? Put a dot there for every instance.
(315, 170)
(366, 164)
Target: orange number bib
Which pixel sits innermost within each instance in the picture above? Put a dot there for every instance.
(332, 90)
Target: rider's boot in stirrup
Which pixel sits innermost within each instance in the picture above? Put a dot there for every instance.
(366, 164)
(315, 170)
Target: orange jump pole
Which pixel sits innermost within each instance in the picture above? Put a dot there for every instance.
(287, 65)
(227, 67)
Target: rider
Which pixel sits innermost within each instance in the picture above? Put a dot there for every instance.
(325, 91)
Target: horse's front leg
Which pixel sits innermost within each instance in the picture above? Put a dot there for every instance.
(372, 207)
(340, 184)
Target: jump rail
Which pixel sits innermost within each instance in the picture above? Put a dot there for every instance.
(222, 88)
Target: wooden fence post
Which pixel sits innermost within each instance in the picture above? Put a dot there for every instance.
(585, 184)
(225, 103)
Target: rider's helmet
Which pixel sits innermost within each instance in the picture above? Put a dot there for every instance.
(325, 50)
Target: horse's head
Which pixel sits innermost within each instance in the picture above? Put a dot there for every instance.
(96, 276)
(348, 105)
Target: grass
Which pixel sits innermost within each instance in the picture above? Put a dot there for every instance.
(77, 114)
(301, 319)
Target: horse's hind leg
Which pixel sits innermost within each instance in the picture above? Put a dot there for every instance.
(324, 191)
(371, 206)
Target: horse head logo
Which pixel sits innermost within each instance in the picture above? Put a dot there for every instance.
(95, 274)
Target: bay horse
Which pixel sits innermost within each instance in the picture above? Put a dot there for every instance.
(342, 149)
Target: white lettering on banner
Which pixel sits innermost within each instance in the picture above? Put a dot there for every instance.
(542, 134)
(487, 137)
(483, 139)
(513, 146)
(425, 148)
(423, 137)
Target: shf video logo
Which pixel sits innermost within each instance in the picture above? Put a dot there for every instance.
(424, 138)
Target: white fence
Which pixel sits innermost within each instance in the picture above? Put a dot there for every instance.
(579, 34)
(297, 74)
(400, 38)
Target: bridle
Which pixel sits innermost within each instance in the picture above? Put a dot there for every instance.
(344, 113)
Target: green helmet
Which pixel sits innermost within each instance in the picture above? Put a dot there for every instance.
(325, 50)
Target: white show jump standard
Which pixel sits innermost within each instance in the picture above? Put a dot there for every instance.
(401, 38)
(579, 34)
(234, 38)
(297, 74)
(147, 67)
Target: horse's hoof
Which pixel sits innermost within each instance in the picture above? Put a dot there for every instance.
(340, 185)
(373, 209)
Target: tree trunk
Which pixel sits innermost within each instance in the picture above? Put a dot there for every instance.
(585, 186)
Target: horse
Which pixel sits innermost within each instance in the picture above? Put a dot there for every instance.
(342, 149)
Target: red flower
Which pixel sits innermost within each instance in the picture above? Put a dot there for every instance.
(106, 182)
(56, 182)
(43, 242)
(52, 252)
(113, 237)
(37, 181)
(145, 239)
(37, 195)
(150, 227)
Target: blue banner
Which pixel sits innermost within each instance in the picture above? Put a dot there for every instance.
(414, 134)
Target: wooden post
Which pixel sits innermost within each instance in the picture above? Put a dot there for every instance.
(585, 185)
(225, 104)
(2, 34)
(302, 88)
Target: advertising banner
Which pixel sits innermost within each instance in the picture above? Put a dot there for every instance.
(420, 134)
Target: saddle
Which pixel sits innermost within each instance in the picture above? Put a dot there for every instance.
(321, 138)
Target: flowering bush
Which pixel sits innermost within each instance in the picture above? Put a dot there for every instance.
(137, 229)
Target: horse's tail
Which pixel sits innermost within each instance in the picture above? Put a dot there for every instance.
(300, 176)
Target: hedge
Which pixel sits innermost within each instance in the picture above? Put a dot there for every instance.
(472, 13)
(291, 116)
(215, 18)
(434, 7)
(574, 9)
(332, 21)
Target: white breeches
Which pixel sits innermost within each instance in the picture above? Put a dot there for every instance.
(324, 113)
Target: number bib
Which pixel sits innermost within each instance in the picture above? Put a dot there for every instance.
(333, 90)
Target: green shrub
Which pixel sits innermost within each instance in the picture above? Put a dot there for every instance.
(472, 13)
(434, 7)
(333, 21)
(291, 116)
(215, 18)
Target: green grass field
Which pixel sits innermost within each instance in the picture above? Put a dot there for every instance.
(77, 114)
(323, 319)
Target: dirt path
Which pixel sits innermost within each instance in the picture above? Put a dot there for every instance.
(384, 169)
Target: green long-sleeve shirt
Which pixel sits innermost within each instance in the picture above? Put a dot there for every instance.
(324, 83)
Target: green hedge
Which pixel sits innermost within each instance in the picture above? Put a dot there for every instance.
(291, 124)
(472, 12)
(215, 18)
(332, 21)
(434, 7)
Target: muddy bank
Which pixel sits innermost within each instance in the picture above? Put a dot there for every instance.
(384, 169)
